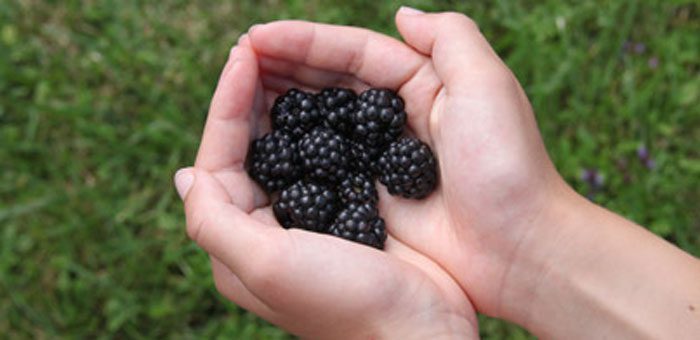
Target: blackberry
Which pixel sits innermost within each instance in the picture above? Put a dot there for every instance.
(273, 161)
(363, 158)
(408, 168)
(306, 205)
(296, 111)
(379, 118)
(357, 188)
(360, 223)
(336, 105)
(324, 155)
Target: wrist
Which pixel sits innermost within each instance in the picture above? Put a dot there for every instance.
(587, 273)
(550, 237)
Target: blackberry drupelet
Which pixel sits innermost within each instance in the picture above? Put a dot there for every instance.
(379, 119)
(306, 205)
(296, 112)
(357, 188)
(324, 155)
(363, 158)
(408, 168)
(336, 105)
(360, 223)
(273, 161)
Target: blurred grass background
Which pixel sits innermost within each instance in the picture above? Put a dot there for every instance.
(101, 101)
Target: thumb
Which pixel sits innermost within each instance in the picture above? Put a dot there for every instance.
(458, 49)
(215, 223)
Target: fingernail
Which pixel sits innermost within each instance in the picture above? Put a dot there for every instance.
(410, 10)
(183, 181)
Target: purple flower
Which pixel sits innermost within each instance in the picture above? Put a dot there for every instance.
(653, 62)
(642, 153)
(598, 181)
(594, 178)
(639, 48)
(645, 157)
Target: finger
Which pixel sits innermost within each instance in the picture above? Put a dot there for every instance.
(227, 130)
(270, 97)
(458, 49)
(261, 121)
(282, 84)
(243, 40)
(372, 58)
(264, 215)
(376, 59)
(220, 227)
(242, 192)
(231, 287)
(279, 85)
(309, 76)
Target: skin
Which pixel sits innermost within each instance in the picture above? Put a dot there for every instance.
(502, 233)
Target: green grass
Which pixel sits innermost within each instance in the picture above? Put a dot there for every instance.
(101, 101)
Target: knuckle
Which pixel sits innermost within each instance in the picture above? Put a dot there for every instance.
(461, 20)
(354, 61)
(195, 225)
(501, 76)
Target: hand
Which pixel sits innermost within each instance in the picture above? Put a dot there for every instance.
(496, 180)
(313, 285)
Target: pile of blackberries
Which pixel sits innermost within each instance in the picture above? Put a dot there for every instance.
(325, 152)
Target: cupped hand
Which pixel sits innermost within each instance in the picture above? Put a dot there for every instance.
(313, 285)
(496, 180)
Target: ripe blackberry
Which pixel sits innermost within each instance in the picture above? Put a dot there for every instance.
(360, 223)
(273, 161)
(306, 205)
(337, 104)
(296, 111)
(408, 168)
(379, 118)
(363, 158)
(357, 188)
(324, 155)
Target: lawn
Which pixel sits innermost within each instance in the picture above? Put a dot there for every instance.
(101, 101)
